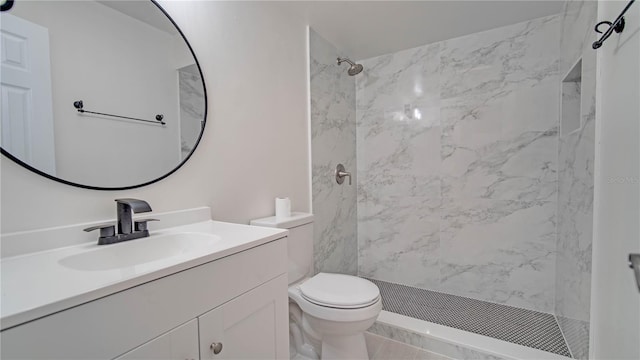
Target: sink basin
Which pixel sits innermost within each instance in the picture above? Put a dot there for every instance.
(140, 252)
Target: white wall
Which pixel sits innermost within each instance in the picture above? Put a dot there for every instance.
(95, 58)
(615, 300)
(255, 145)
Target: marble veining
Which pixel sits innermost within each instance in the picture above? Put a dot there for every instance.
(576, 157)
(494, 147)
(408, 76)
(192, 107)
(501, 59)
(499, 250)
(333, 137)
(457, 146)
(399, 240)
(570, 117)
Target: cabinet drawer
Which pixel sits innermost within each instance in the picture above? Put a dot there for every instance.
(111, 326)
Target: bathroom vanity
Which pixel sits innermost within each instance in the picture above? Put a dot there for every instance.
(205, 290)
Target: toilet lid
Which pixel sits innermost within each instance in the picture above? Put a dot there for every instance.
(340, 291)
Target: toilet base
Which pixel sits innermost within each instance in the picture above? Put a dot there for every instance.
(331, 333)
(342, 347)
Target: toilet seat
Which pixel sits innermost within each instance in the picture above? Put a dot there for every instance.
(368, 308)
(339, 291)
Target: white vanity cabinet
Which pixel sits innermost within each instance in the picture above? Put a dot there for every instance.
(239, 301)
(243, 327)
(178, 344)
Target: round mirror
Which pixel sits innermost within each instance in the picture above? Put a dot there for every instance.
(98, 94)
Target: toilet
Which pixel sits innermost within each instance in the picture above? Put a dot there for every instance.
(328, 313)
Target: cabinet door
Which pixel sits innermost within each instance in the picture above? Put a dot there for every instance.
(252, 326)
(180, 343)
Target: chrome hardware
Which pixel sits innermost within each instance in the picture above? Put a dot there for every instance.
(634, 263)
(216, 348)
(354, 69)
(341, 174)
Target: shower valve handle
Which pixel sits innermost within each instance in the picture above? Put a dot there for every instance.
(341, 174)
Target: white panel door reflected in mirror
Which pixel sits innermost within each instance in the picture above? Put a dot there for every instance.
(27, 116)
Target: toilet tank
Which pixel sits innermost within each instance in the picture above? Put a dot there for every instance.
(299, 242)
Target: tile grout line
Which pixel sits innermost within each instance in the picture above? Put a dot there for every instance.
(564, 337)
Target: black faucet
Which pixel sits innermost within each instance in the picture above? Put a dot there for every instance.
(127, 228)
(126, 208)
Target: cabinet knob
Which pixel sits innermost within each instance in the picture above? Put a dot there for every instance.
(216, 348)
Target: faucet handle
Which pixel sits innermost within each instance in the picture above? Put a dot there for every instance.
(141, 224)
(341, 173)
(106, 230)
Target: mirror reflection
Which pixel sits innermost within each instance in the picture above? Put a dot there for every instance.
(123, 58)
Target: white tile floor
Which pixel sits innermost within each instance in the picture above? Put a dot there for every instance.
(381, 348)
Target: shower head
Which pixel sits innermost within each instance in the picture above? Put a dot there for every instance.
(354, 69)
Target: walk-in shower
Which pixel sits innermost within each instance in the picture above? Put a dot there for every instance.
(475, 216)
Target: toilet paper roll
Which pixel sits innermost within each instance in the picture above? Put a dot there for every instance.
(283, 208)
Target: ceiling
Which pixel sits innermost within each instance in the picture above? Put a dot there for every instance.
(363, 29)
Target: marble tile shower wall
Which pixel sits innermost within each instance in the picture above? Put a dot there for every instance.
(191, 107)
(333, 141)
(575, 191)
(457, 165)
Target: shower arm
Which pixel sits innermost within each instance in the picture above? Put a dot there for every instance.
(341, 60)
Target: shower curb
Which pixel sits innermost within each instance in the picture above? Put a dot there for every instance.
(427, 343)
(462, 346)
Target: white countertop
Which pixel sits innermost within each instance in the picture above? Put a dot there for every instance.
(37, 284)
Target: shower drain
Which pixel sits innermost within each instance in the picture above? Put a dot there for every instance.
(519, 326)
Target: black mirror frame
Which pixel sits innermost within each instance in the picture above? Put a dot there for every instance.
(6, 6)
